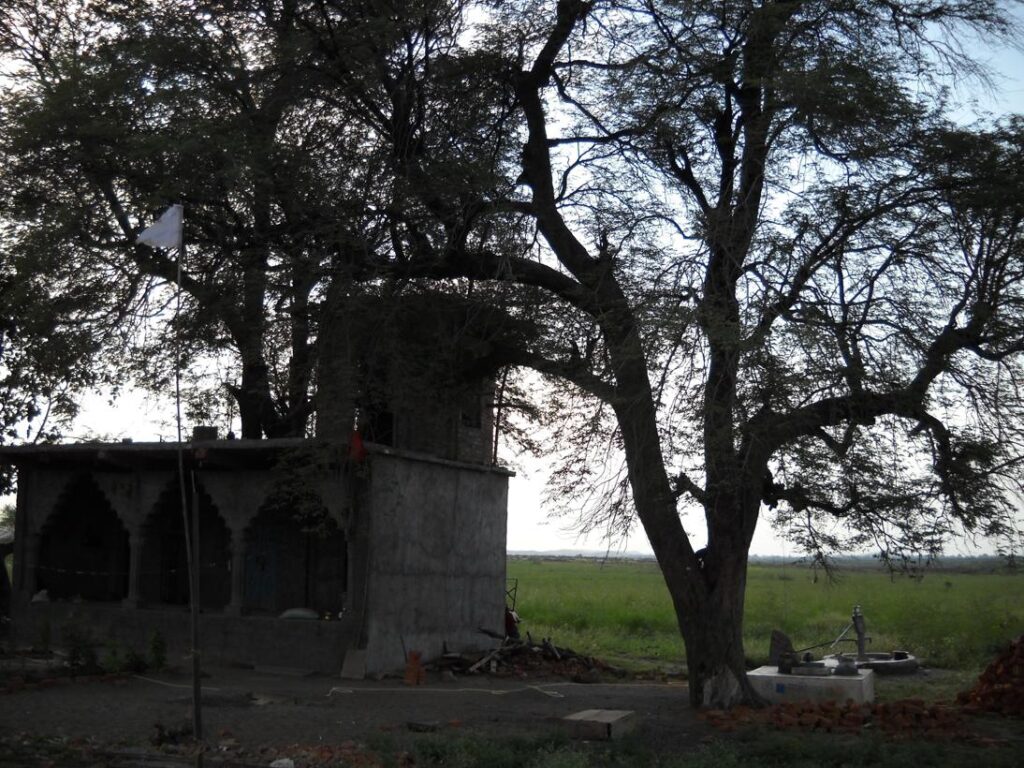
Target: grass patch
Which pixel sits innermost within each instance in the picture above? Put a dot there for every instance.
(766, 748)
(752, 749)
(621, 610)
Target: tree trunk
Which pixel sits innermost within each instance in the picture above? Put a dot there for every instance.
(713, 633)
(707, 592)
(252, 397)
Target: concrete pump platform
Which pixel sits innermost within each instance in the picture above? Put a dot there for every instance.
(779, 688)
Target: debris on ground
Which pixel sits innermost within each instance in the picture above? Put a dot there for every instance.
(526, 657)
(1000, 688)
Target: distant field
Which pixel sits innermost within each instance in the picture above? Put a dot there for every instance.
(620, 611)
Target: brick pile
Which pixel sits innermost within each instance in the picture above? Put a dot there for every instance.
(1000, 688)
(907, 718)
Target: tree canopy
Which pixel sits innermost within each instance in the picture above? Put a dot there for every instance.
(763, 264)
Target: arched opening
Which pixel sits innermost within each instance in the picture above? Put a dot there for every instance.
(294, 562)
(83, 548)
(164, 577)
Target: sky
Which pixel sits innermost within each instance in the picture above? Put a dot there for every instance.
(530, 526)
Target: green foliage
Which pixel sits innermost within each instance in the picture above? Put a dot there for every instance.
(123, 661)
(550, 751)
(293, 496)
(949, 619)
(112, 661)
(621, 611)
(761, 749)
(825, 751)
(608, 609)
(114, 110)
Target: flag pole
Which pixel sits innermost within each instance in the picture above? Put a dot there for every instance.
(168, 232)
(191, 537)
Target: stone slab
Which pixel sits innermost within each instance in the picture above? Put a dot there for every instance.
(600, 724)
(779, 688)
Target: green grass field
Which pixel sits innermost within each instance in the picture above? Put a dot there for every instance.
(620, 611)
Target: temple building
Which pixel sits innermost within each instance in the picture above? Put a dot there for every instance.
(390, 551)
(384, 540)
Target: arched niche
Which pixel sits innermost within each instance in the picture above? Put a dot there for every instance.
(83, 546)
(294, 560)
(164, 576)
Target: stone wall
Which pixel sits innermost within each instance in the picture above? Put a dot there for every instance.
(436, 573)
(260, 641)
(419, 545)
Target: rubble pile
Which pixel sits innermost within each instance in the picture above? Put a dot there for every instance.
(523, 658)
(1000, 688)
(906, 718)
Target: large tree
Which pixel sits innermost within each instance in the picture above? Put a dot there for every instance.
(845, 317)
(293, 196)
(773, 271)
(787, 281)
(116, 110)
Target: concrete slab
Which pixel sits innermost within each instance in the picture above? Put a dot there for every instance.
(778, 688)
(600, 724)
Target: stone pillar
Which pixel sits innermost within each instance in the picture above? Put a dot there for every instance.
(234, 607)
(134, 598)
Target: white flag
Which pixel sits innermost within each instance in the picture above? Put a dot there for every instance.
(166, 233)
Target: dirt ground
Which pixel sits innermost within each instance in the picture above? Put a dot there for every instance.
(275, 709)
(252, 717)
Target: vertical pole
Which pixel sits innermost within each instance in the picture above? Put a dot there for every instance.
(191, 552)
(196, 576)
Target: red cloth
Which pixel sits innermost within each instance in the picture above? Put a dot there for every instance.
(356, 449)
